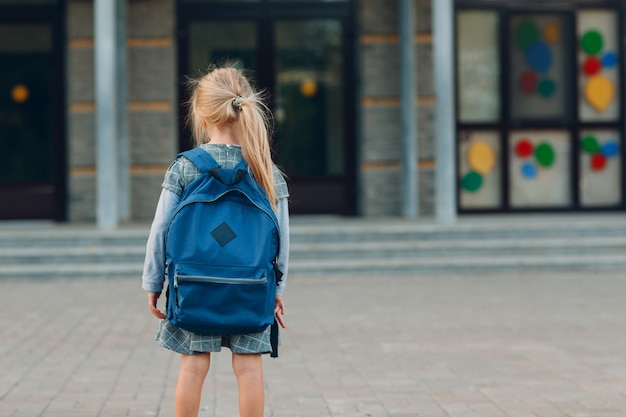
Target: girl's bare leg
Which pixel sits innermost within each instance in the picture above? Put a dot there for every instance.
(248, 369)
(193, 371)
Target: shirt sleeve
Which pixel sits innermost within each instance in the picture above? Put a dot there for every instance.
(153, 275)
(282, 214)
(174, 180)
(280, 184)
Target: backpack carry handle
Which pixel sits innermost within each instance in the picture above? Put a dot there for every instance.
(229, 176)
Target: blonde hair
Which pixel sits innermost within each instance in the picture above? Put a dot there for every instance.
(223, 97)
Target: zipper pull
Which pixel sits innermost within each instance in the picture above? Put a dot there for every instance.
(176, 290)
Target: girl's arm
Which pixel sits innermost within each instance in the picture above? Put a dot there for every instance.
(282, 213)
(154, 264)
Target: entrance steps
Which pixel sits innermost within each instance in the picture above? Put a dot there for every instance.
(328, 245)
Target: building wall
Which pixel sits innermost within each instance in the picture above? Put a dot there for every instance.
(380, 137)
(153, 104)
(153, 96)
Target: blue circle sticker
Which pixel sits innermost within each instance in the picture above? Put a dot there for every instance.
(610, 149)
(529, 170)
(609, 59)
(539, 57)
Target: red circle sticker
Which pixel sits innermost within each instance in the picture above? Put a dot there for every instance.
(598, 162)
(592, 66)
(524, 148)
(528, 82)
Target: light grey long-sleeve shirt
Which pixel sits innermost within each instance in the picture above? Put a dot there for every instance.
(179, 175)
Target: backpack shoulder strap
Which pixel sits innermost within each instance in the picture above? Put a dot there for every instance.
(200, 158)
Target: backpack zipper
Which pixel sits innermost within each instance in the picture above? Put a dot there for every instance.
(218, 280)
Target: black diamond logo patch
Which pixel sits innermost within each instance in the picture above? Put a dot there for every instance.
(223, 234)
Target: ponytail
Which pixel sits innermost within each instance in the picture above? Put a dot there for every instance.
(224, 97)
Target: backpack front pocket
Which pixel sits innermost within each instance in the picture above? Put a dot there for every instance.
(223, 300)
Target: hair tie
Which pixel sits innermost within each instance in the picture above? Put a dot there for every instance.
(237, 102)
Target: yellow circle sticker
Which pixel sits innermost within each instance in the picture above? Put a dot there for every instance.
(599, 93)
(481, 157)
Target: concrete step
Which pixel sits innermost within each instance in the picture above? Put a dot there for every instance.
(110, 253)
(461, 264)
(457, 248)
(355, 246)
(326, 230)
(362, 266)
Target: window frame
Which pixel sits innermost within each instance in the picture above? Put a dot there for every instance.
(570, 123)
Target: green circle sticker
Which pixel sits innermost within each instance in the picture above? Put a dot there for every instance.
(526, 33)
(546, 88)
(472, 181)
(592, 42)
(544, 154)
(590, 144)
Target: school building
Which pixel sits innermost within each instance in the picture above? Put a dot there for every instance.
(413, 108)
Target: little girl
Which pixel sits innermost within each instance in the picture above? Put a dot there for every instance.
(230, 121)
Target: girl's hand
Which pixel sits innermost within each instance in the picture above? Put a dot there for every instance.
(152, 303)
(279, 311)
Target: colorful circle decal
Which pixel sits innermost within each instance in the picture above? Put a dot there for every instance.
(524, 148)
(592, 42)
(481, 157)
(551, 33)
(546, 88)
(539, 57)
(590, 144)
(526, 33)
(544, 153)
(529, 170)
(599, 92)
(592, 66)
(308, 88)
(20, 93)
(528, 82)
(610, 149)
(599, 153)
(598, 162)
(472, 181)
(609, 59)
(534, 157)
(535, 44)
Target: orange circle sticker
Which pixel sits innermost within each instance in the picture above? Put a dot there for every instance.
(308, 88)
(19, 93)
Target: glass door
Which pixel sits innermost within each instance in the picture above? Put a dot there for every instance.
(309, 110)
(302, 61)
(31, 119)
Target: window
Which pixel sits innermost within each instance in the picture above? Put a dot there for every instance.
(539, 107)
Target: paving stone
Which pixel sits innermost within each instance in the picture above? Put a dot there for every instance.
(494, 345)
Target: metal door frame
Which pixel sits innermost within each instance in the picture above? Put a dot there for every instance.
(55, 15)
(265, 13)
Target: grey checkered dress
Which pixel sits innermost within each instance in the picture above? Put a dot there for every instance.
(178, 176)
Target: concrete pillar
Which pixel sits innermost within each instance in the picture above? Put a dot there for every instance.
(124, 198)
(408, 113)
(445, 115)
(111, 151)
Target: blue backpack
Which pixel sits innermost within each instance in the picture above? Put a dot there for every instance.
(221, 248)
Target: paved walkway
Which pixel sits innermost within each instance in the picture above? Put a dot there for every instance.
(518, 345)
